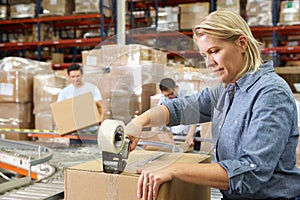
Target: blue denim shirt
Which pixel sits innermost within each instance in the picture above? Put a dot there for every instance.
(255, 138)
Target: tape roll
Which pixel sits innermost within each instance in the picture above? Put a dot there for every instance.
(111, 136)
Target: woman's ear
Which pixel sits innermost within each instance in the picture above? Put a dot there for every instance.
(242, 42)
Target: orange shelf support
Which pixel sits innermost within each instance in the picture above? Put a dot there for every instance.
(70, 136)
(18, 170)
(50, 19)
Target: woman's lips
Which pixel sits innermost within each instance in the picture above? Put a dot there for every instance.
(217, 71)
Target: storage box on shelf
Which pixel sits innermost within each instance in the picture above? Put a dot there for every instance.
(58, 7)
(289, 12)
(92, 6)
(18, 11)
(190, 14)
(237, 6)
(11, 2)
(3, 12)
(259, 13)
(167, 18)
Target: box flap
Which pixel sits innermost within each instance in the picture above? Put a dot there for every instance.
(140, 159)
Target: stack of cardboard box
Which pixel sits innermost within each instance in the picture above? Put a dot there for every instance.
(16, 93)
(46, 89)
(123, 77)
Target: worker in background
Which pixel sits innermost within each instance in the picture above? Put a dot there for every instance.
(253, 114)
(79, 87)
(171, 90)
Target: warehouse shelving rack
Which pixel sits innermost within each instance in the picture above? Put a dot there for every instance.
(277, 32)
(280, 51)
(85, 21)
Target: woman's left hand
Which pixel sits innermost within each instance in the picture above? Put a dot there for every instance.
(150, 181)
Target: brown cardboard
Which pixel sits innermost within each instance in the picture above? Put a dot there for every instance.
(59, 7)
(46, 88)
(88, 181)
(15, 113)
(44, 121)
(92, 6)
(3, 12)
(46, 33)
(23, 10)
(57, 58)
(16, 86)
(194, 7)
(15, 135)
(75, 113)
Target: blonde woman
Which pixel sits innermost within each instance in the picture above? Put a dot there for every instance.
(253, 114)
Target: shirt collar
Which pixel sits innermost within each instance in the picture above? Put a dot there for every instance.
(251, 77)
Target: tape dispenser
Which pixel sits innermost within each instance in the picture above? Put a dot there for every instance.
(114, 145)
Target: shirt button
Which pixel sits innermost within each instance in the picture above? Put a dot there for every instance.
(214, 150)
(235, 122)
(219, 127)
(252, 165)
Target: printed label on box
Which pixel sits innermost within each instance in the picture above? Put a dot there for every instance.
(6, 89)
(53, 2)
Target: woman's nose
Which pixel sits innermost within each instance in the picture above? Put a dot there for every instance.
(209, 61)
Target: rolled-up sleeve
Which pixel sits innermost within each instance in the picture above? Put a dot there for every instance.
(190, 109)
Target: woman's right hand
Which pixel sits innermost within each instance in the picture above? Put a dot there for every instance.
(133, 132)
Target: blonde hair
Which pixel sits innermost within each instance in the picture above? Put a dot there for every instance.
(226, 25)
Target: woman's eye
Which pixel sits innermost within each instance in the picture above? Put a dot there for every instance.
(214, 51)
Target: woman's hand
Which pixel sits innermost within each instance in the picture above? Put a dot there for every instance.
(150, 181)
(133, 132)
(133, 142)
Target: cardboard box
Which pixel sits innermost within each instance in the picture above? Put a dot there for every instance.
(14, 135)
(3, 12)
(59, 7)
(194, 7)
(57, 58)
(92, 6)
(23, 10)
(46, 88)
(88, 181)
(13, 114)
(75, 113)
(16, 86)
(44, 121)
